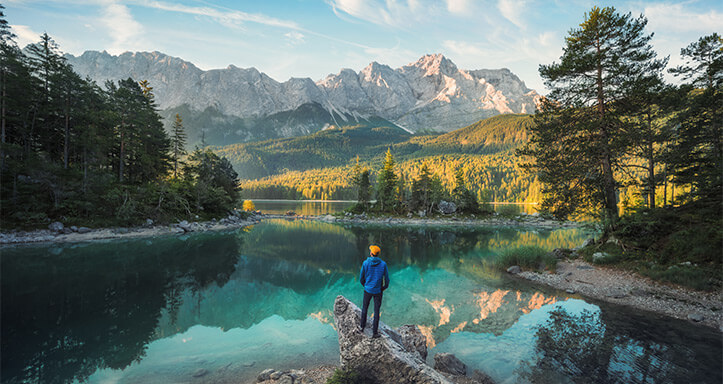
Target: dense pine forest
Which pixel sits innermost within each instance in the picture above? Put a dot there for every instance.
(321, 166)
(85, 154)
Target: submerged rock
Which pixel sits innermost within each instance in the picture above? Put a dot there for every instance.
(200, 372)
(383, 360)
(449, 363)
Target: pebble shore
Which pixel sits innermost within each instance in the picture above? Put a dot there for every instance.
(630, 289)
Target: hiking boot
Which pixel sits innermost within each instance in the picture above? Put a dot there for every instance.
(376, 335)
(360, 329)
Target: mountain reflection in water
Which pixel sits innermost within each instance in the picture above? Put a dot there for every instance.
(229, 305)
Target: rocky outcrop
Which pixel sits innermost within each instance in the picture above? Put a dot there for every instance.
(413, 340)
(431, 93)
(449, 363)
(384, 359)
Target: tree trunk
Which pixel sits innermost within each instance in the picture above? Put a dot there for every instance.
(611, 206)
(665, 186)
(66, 144)
(651, 176)
(651, 164)
(121, 155)
(2, 107)
(2, 121)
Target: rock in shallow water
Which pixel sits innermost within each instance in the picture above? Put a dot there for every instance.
(515, 269)
(200, 372)
(449, 363)
(384, 360)
(265, 374)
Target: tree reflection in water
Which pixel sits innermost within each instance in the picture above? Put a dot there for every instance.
(582, 349)
(67, 312)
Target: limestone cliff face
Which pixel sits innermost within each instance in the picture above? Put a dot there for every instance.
(429, 94)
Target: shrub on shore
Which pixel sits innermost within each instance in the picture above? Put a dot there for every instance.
(527, 257)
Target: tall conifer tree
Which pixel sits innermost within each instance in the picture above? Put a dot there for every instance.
(386, 189)
(577, 141)
(178, 143)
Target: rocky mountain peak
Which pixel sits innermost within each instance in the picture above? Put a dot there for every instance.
(428, 94)
(435, 64)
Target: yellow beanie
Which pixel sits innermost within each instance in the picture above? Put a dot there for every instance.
(375, 250)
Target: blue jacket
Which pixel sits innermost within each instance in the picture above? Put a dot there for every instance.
(374, 275)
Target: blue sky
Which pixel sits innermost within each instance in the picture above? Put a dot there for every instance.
(313, 38)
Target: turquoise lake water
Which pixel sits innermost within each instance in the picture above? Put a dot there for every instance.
(228, 305)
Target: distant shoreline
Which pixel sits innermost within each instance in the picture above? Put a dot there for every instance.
(40, 236)
(518, 221)
(48, 236)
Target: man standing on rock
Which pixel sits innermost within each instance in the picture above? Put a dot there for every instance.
(374, 277)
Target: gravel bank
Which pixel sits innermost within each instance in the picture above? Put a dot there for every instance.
(630, 289)
(50, 236)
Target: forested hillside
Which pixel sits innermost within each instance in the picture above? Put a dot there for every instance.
(74, 152)
(319, 166)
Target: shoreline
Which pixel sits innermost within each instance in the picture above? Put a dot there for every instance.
(620, 287)
(519, 221)
(234, 222)
(40, 236)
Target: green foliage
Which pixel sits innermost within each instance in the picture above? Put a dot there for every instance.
(215, 183)
(74, 152)
(527, 257)
(464, 198)
(509, 210)
(387, 195)
(579, 140)
(492, 172)
(178, 143)
(692, 276)
(697, 156)
(364, 189)
(346, 376)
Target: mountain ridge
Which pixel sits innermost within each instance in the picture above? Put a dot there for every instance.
(431, 94)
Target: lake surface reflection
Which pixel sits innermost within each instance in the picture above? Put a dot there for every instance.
(222, 307)
(323, 207)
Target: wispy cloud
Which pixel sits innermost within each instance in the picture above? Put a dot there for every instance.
(227, 17)
(457, 6)
(393, 13)
(512, 11)
(25, 35)
(294, 37)
(125, 32)
(678, 17)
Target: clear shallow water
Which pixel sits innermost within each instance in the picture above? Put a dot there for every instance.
(232, 304)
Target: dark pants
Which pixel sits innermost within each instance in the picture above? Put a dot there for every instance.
(365, 306)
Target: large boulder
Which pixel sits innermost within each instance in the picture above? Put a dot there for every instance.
(56, 226)
(447, 207)
(384, 359)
